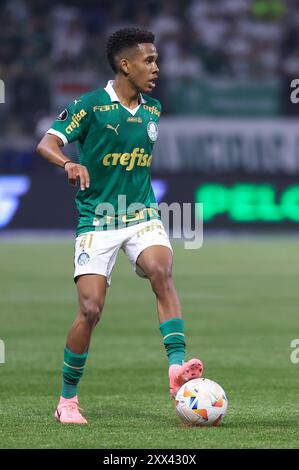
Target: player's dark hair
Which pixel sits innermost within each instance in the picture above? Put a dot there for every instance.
(123, 38)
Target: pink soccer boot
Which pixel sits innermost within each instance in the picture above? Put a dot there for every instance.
(68, 411)
(178, 375)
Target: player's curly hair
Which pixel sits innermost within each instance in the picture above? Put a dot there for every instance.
(126, 37)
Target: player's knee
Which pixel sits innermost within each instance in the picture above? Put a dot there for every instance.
(161, 278)
(91, 311)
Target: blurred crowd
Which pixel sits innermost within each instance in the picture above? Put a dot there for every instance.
(53, 50)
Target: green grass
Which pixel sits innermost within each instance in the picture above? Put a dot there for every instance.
(240, 301)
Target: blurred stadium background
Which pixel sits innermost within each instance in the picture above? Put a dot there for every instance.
(229, 129)
(229, 137)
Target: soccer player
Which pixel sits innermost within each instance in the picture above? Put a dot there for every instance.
(116, 128)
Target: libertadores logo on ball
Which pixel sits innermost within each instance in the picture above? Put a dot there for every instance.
(201, 402)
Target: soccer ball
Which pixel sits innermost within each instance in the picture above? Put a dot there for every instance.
(201, 402)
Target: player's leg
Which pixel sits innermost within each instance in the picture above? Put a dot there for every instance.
(95, 256)
(156, 262)
(91, 296)
(91, 290)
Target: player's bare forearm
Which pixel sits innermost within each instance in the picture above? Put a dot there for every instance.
(49, 148)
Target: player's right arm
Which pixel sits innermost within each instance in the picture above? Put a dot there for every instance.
(49, 148)
(69, 126)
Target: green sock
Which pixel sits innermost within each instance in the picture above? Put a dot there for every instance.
(73, 367)
(172, 331)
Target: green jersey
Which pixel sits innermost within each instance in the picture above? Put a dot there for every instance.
(115, 144)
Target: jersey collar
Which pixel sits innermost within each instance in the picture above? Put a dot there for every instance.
(113, 96)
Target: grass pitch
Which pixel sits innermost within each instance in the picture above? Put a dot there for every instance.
(240, 300)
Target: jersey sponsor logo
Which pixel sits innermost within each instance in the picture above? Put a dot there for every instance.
(76, 118)
(63, 115)
(152, 109)
(109, 126)
(152, 130)
(135, 119)
(105, 107)
(129, 160)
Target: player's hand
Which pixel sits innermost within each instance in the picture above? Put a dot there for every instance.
(76, 171)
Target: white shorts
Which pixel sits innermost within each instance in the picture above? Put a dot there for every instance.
(96, 251)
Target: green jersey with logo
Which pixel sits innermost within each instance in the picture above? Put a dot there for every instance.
(115, 144)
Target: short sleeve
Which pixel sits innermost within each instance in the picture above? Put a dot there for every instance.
(71, 124)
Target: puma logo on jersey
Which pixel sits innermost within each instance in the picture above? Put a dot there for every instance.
(113, 128)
